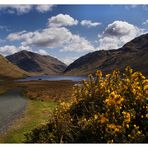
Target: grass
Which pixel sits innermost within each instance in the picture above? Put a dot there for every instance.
(36, 114)
(44, 96)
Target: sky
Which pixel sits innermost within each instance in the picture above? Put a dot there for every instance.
(68, 32)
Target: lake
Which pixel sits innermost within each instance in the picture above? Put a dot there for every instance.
(55, 78)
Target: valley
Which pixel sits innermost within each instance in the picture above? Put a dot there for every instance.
(32, 86)
(73, 73)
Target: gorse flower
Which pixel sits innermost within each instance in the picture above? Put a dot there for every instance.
(114, 99)
(115, 128)
(109, 108)
(126, 116)
(103, 119)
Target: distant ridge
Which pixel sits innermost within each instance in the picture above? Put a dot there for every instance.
(33, 62)
(134, 54)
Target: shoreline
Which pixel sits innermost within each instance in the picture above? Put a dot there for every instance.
(13, 113)
(10, 121)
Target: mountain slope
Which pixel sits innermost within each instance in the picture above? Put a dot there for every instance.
(33, 62)
(134, 54)
(9, 70)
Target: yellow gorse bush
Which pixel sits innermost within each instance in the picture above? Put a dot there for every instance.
(108, 108)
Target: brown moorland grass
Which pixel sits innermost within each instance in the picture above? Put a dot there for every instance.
(48, 90)
(42, 90)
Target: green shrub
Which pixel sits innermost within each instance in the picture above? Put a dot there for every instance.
(105, 109)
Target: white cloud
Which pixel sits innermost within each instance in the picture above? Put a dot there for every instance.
(53, 37)
(19, 9)
(24, 48)
(42, 52)
(68, 60)
(114, 36)
(89, 23)
(78, 44)
(44, 8)
(145, 22)
(117, 34)
(15, 36)
(49, 37)
(62, 20)
(11, 49)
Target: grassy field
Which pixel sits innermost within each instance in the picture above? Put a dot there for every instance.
(43, 97)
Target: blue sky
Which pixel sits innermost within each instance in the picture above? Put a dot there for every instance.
(69, 31)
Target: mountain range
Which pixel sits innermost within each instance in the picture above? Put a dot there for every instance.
(26, 63)
(133, 53)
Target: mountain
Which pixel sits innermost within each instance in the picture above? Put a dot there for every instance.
(134, 54)
(9, 70)
(33, 62)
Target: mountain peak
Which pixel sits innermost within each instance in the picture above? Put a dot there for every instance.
(23, 52)
(34, 62)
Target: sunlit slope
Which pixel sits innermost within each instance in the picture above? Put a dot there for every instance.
(9, 70)
(134, 54)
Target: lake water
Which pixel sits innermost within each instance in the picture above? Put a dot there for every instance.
(55, 78)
